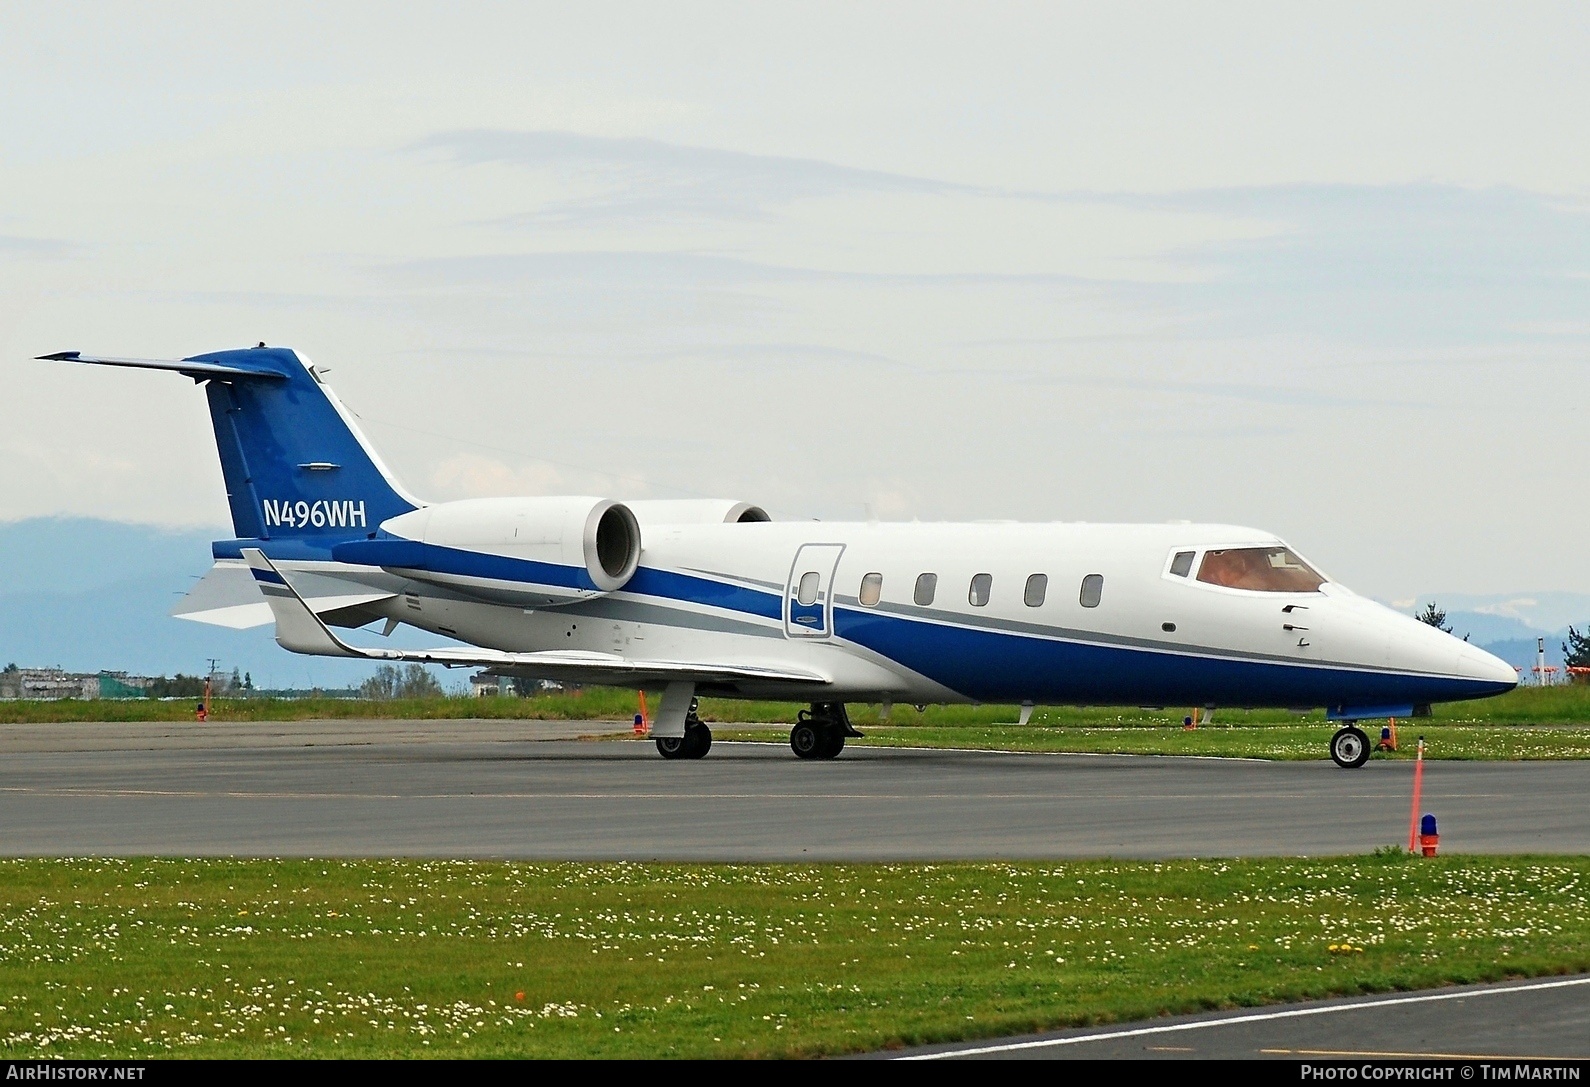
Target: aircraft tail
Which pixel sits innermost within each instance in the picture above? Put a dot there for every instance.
(294, 460)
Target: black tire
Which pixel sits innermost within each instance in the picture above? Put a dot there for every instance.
(835, 743)
(698, 741)
(672, 747)
(806, 740)
(1349, 747)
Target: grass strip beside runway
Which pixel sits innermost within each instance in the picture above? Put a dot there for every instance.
(1277, 742)
(1565, 705)
(123, 958)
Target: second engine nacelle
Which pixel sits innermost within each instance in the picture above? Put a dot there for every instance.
(696, 511)
(527, 551)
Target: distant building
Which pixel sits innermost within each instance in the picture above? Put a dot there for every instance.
(121, 685)
(486, 685)
(55, 683)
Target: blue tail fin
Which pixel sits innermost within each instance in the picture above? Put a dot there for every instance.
(295, 463)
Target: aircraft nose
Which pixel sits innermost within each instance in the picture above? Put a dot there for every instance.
(1475, 663)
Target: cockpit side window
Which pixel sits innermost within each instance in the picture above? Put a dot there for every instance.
(1181, 565)
(1259, 569)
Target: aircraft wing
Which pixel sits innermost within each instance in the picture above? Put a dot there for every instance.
(300, 630)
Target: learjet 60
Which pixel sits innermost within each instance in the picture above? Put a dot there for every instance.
(715, 598)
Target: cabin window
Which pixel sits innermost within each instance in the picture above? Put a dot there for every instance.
(982, 585)
(1260, 569)
(871, 589)
(926, 585)
(806, 592)
(1181, 565)
(1092, 590)
(1037, 586)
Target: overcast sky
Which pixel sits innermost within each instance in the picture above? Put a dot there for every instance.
(1319, 270)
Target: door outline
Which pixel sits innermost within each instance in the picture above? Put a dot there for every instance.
(815, 620)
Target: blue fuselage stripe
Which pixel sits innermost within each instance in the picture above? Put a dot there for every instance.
(991, 666)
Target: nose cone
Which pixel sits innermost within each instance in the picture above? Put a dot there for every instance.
(1476, 664)
(1454, 670)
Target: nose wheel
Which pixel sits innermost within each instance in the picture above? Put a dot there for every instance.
(1350, 747)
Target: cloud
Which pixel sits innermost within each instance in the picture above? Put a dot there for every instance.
(642, 180)
(1415, 262)
(471, 475)
(36, 248)
(1509, 608)
(1402, 264)
(675, 270)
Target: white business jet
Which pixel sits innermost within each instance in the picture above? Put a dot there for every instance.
(715, 598)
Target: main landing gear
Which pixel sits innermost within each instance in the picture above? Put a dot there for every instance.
(694, 744)
(1350, 747)
(820, 732)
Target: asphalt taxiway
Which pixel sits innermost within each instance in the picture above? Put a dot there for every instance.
(537, 790)
(1545, 1019)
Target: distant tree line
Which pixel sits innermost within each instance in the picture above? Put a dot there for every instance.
(1435, 617)
(1576, 650)
(410, 681)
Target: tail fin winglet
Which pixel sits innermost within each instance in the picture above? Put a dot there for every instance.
(194, 368)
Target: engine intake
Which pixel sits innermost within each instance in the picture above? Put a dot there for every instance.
(569, 548)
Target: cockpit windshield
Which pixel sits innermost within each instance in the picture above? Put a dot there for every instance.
(1264, 569)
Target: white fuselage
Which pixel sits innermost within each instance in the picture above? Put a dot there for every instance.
(731, 592)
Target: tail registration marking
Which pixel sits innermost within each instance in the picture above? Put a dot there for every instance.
(347, 513)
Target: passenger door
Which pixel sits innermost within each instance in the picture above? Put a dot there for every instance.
(809, 593)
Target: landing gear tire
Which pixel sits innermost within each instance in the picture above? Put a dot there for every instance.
(1350, 748)
(820, 732)
(809, 742)
(694, 744)
(698, 741)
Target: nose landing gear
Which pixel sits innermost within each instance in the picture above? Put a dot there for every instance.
(1350, 747)
(820, 732)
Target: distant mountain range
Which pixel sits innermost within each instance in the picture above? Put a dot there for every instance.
(88, 595)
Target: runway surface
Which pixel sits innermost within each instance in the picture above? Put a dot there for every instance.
(534, 790)
(1549, 1018)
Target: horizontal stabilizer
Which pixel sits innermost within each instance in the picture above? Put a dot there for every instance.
(225, 597)
(300, 630)
(228, 596)
(190, 367)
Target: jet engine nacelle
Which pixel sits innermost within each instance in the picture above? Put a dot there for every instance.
(528, 551)
(696, 511)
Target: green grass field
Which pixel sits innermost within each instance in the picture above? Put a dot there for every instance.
(220, 958)
(1531, 723)
(1525, 706)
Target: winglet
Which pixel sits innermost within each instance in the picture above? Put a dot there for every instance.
(298, 628)
(195, 368)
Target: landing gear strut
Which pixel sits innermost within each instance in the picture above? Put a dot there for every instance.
(820, 732)
(1350, 747)
(694, 744)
